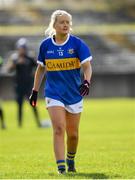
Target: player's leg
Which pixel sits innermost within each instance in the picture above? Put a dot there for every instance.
(57, 115)
(20, 105)
(72, 130)
(3, 126)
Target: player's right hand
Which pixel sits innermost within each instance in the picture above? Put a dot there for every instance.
(33, 98)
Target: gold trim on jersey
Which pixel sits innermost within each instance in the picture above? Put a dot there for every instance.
(62, 64)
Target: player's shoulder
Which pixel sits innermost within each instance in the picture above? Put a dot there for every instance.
(45, 41)
(30, 55)
(76, 39)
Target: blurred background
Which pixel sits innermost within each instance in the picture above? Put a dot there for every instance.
(108, 27)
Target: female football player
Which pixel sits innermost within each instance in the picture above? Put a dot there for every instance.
(61, 56)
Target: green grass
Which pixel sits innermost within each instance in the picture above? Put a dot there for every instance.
(106, 147)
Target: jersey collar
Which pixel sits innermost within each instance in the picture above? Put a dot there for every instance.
(62, 43)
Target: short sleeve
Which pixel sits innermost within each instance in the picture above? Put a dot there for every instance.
(84, 53)
(41, 55)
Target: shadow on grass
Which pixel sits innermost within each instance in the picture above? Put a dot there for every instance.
(84, 176)
(92, 175)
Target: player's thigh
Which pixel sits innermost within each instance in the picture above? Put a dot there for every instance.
(72, 122)
(58, 116)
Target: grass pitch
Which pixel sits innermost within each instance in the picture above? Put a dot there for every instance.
(106, 147)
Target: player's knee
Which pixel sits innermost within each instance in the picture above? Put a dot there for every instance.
(73, 136)
(59, 130)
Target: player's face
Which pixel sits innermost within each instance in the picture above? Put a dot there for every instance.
(62, 25)
(21, 51)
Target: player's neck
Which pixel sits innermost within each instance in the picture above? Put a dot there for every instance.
(60, 38)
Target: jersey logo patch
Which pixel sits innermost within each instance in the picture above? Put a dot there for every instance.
(71, 51)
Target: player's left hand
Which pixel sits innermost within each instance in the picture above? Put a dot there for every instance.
(33, 98)
(84, 88)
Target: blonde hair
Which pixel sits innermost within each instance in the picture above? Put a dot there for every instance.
(50, 30)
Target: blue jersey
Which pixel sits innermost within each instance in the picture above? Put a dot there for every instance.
(63, 64)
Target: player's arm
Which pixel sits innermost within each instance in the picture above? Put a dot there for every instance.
(87, 71)
(39, 74)
(11, 63)
(11, 66)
